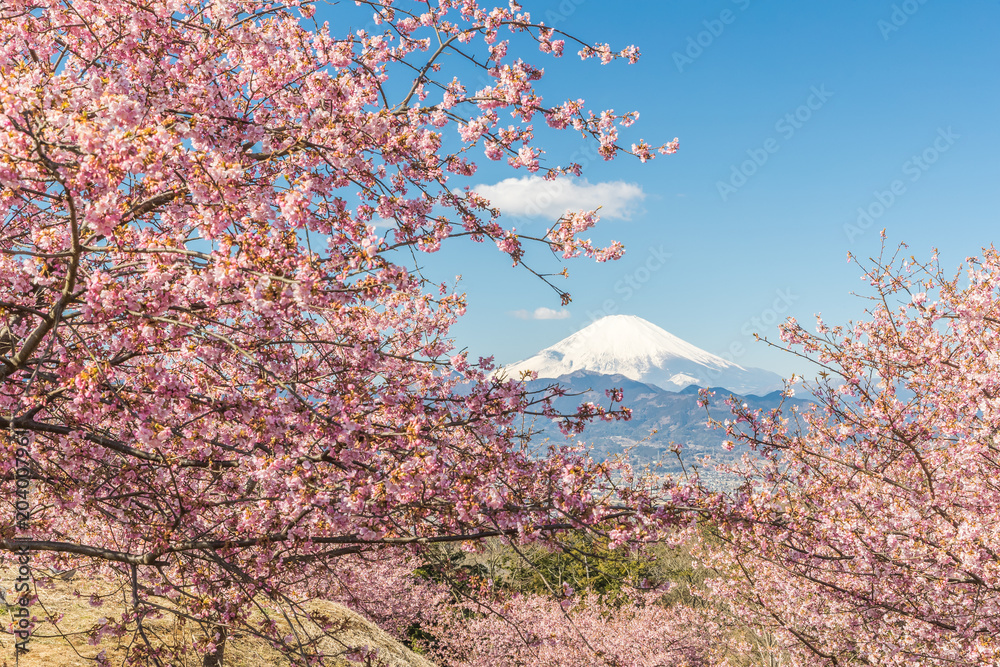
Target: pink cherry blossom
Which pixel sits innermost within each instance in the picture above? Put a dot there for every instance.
(230, 375)
(866, 528)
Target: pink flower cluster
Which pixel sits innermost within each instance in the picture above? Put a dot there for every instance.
(867, 528)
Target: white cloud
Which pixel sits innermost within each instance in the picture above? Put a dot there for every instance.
(542, 313)
(533, 196)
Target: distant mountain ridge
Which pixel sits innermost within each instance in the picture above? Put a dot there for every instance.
(660, 419)
(639, 350)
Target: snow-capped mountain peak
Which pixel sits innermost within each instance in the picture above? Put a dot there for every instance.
(641, 351)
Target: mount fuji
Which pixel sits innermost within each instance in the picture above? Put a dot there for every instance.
(630, 346)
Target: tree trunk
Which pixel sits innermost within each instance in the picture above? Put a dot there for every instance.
(214, 659)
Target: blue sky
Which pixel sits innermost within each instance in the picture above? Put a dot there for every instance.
(891, 107)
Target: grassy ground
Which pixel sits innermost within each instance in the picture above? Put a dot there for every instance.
(65, 643)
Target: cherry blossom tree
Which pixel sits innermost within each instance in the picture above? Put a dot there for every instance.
(578, 632)
(867, 529)
(214, 336)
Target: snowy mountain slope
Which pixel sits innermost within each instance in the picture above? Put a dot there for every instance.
(639, 350)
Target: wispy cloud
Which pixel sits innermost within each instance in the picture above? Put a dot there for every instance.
(542, 313)
(533, 196)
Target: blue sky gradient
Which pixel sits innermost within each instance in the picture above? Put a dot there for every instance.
(838, 96)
